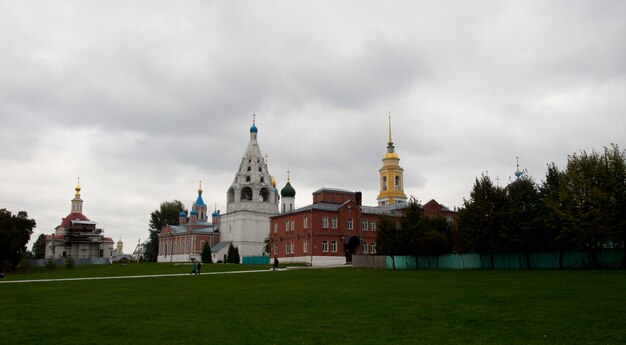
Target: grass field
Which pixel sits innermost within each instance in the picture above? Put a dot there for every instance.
(316, 306)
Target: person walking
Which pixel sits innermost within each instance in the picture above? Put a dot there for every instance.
(275, 263)
(199, 267)
(193, 268)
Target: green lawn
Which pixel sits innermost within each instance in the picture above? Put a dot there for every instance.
(321, 306)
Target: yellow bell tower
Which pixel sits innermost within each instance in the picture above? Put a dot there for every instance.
(391, 176)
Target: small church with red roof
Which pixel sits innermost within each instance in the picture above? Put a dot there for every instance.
(78, 237)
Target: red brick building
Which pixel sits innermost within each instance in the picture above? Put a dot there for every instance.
(335, 227)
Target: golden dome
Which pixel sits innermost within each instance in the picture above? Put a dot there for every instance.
(273, 182)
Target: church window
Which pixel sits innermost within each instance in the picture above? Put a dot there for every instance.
(292, 224)
(246, 194)
(283, 208)
(333, 246)
(262, 179)
(333, 223)
(248, 178)
(286, 225)
(275, 249)
(350, 224)
(293, 247)
(397, 186)
(249, 168)
(260, 169)
(286, 248)
(384, 182)
(265, 194)
(325, 246)
(325, 222)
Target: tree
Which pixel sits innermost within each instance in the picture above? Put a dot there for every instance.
(233, 255)
(411, 232)
(206, 254)
(551, 216)
(521, 218)
(592, 199)
(267, 245)
(387, 239)
(39, 247)
(480, 219)
(167, 214)
(15, 231)
(616, 163)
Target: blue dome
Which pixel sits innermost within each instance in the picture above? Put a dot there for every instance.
(215, 213)
(182, 214)
(253, 129)
(518, 173)
(194, 213)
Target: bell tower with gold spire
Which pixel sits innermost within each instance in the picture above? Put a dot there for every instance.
(391, 176)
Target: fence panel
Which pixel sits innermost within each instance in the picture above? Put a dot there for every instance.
(256, 260)
(607, 258)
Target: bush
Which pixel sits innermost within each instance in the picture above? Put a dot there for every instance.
(25, 266)
(50, 264)
(69, 263)
(206, 254)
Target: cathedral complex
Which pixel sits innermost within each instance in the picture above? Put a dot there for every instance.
(327, 232)
(78, 237)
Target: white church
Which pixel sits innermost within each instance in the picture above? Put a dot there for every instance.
(251, 200)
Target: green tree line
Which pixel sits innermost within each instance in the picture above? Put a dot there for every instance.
(579, 208)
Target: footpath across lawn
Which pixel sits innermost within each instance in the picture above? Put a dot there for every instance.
(323, 306)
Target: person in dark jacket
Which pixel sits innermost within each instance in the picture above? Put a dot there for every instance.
(199, 267)
(275, 263)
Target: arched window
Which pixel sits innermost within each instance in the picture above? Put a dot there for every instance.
(265, 194)
(262, 179)
(246, 194)
(249, 168)
(248, 178)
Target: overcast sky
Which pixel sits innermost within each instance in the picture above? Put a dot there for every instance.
(142, 99)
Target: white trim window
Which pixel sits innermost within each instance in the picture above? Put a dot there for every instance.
(333, 223)
(350, 224)
(364, 225)
(325, 246)
(373, 226)
(373, 246)
(364, 247)
(287, 225)
(325, 222)
(305, 222)
(293, 247)
(287, 248)
(293, 222)
(276, 227)
(305, 246)
(333, 246)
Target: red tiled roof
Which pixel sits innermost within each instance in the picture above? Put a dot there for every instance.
(67, 221)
